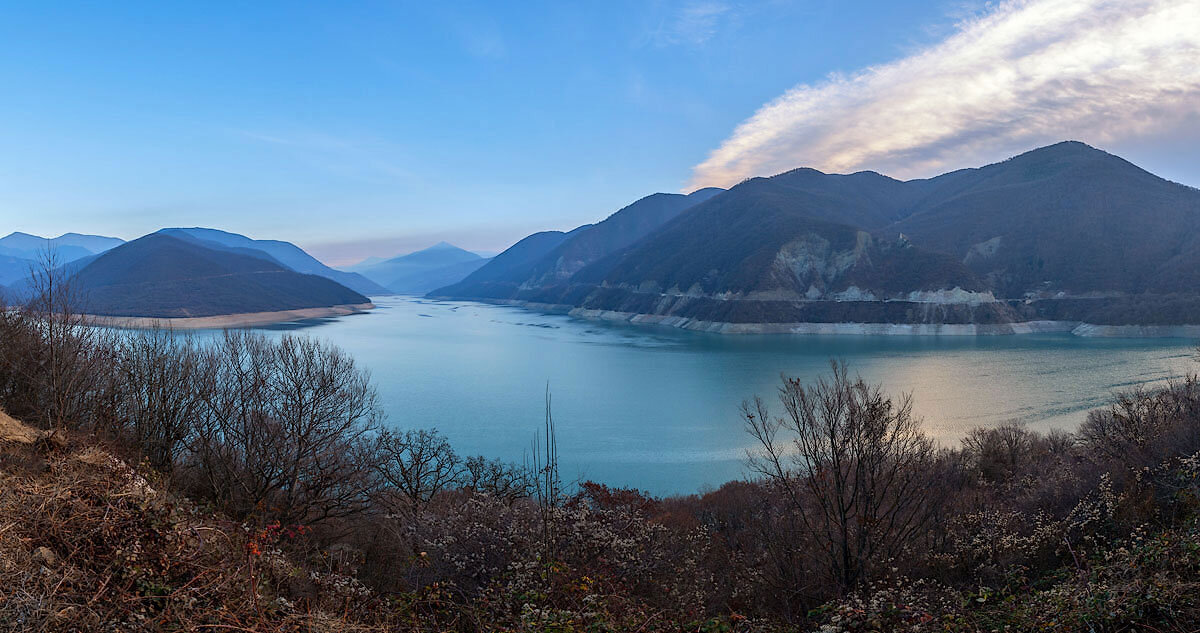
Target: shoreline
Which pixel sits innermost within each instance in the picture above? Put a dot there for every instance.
(223, 321)
(1075, 328)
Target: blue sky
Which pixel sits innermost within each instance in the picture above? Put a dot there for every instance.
(374, 128)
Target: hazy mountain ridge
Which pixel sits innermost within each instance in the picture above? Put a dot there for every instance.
(14, 268)
(1065, 221)
(160, 275)
(614, 233)
(553, 257)
(66, 247)
(22, 252)
(283, 253)
(421, 271)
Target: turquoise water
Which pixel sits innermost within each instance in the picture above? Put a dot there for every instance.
(657, 408)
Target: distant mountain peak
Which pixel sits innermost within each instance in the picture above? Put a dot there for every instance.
(1072, 145)
(441, 250)
(66, 247)
(802, 171)
(703, 194)
(420, 271)
(1064, 150)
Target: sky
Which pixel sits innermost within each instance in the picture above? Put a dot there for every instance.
(375, 128)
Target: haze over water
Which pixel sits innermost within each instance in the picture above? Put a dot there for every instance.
(657, 408)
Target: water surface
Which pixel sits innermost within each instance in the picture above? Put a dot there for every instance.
(657, 408)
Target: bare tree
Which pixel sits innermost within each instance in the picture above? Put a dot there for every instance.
(285, 429)
(996, 454)
(547, 484)
(61, 360)
(416, 465)
(854, 465)
(502, 480)
(157, 392)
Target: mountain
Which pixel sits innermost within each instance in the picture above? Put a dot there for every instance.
(14, 268)
(421, 282)
(616, 232)
(163, 276)
(419, 272)
(544, 259)
(95, 243)
(285, 254)
(1064, 232)
(1066, 218)
(66, 248)
(365, 264)
(511, 264)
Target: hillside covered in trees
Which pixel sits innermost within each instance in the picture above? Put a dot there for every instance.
(1066, 222)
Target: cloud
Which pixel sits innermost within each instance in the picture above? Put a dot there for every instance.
(692, 23)
(1028, 72)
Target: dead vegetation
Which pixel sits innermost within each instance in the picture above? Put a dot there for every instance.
(87, 544)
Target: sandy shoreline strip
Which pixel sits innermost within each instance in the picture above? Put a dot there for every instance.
(249, 319)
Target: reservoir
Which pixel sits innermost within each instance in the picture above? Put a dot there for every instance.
(657, 408)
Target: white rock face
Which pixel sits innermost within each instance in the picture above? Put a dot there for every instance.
(854, 293)
(955, 295)
(810, 260)
(983, 250)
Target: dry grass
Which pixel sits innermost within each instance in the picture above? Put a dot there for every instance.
(86, 544)
(15, 432)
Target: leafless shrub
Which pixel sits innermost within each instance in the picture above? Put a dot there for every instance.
(157, 392)
(55, 364)
(284, 430)
(1142, 426)
(997, 453)
(857, 470)
(496, 478)
(415, 466)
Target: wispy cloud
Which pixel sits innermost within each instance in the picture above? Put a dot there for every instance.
(1024, 73)
(693, 22)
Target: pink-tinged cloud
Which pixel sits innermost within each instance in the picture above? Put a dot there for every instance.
(1027, 73)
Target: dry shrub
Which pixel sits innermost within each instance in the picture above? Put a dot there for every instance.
(88, 545)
